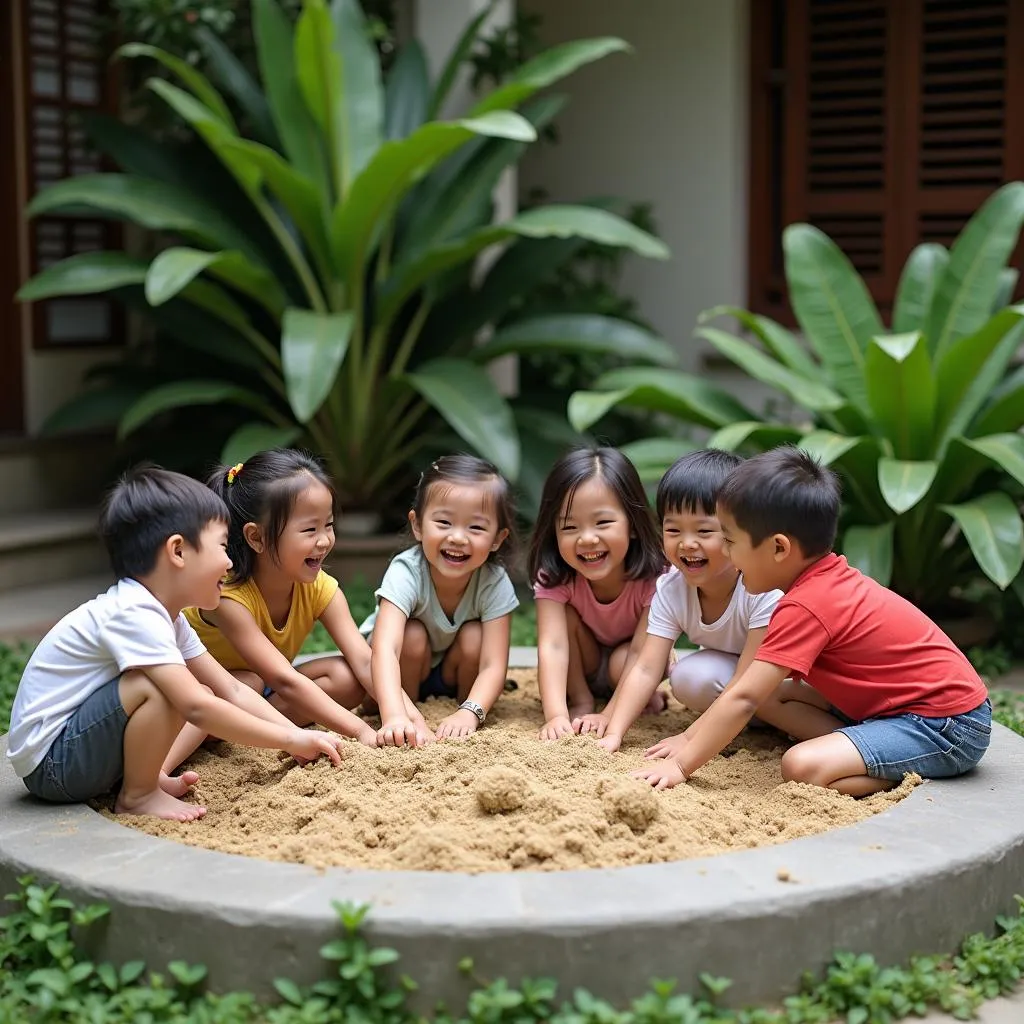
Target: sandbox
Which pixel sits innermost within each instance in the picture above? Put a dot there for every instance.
(942, 862)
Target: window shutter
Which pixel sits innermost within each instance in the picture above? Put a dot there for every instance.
(883, 122)
(65, 76)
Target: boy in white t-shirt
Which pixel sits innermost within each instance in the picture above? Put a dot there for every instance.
(703, 598)
(110, 686)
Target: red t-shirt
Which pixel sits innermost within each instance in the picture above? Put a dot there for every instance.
(867, 650)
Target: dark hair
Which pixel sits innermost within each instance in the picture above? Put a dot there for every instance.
(148, 505)
(785, 491)
(644, 559)
(470, 469)
(692, 482)
(263, 490)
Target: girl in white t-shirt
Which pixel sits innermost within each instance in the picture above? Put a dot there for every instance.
(701, 597)
(594, 561)
(444, 612)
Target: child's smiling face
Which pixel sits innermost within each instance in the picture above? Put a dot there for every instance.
(693, 543)
(593, 531)
(308, 536)
(459, 528)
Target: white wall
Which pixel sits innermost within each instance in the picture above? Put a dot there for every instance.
(668, 124)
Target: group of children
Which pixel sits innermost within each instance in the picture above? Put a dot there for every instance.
(220, 585)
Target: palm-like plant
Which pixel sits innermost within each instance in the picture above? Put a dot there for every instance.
(328, 261)
(923, 421)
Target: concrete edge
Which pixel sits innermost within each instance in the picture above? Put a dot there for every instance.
(914, 879)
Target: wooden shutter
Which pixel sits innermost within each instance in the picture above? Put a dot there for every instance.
(65, 74)
(883, 122)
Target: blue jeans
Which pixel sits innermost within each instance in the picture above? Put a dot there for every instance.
(934, 748)
(87, 757)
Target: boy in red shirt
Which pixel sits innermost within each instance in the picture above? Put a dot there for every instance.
(909, 699)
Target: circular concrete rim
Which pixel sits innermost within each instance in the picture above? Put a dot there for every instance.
(761, 916)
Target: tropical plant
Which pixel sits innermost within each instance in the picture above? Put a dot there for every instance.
(922, 420)
(329, 262)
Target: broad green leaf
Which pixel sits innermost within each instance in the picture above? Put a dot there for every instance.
(394, 168)
(833, 307)
(547, 68)
(1005, 407)
(652, 456)
(1004, 450)
(869, 549)
(468, 400)
(679, 394)
(552, 221)
(970, 282)
(313, 347)
(856, 458)
(545, 437)
(85, 274)
(406, 92)
(972, 367)
(196, 82)
(246, 441)
(781, 343)
(275, 45)
(916, 290)
(456, 60)
(235, 78)
(806, 392)
(754, 432)
(156, 205)
(995, 533)
(903, 484)
(360, 94)
(175, 268)
(901, 390)
(318, 69)
(828, 447)
(184, 393)
(578, 333)
(1008, 278)
(96, 409)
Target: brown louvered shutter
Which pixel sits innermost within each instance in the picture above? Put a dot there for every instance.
(65, 74)
(883, 122)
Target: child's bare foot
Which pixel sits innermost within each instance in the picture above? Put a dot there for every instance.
(158, 804)
(178, 785)
(657, 703)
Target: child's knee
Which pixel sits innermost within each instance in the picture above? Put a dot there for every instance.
(801, 765)
(697, 689)
(415, 642)
(470, 640)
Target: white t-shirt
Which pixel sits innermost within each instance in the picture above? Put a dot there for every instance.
(125, 628)
(407, 585)
(676, 609)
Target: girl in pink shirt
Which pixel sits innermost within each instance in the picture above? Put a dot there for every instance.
(594, 561)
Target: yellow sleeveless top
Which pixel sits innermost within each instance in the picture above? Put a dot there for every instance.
(309, 602)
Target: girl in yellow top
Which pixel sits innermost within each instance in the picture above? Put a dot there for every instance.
(283, 508)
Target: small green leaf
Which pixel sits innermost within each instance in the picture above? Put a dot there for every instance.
(903, 484)
(132, 971)
(289, 991)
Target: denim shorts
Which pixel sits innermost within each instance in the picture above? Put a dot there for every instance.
(934, 748)
(435, 686)
(87, 758)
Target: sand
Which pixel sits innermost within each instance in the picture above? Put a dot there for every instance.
(504, 801)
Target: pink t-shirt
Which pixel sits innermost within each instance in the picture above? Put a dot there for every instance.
(613, 623)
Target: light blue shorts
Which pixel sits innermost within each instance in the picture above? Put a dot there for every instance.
(934, 748)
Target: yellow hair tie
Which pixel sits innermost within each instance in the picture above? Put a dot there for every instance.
(234, 471)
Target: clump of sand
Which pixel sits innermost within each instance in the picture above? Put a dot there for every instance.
(504, 801)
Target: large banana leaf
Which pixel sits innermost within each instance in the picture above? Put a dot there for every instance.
(251, 438)
(467, 398)
(763, 435)
(545, 437)
(869, 548)
(1005, 407)
(406, 92)
(917, 287)
(88, 273)
(993, 528)
(832, 306)
(781, 343)
(903, 484)
(652, 456)
(970, 281)
(901, 390)
(313, 346)
(1005, 451)
(678, 394)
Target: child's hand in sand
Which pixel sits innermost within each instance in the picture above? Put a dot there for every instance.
(458, 726)
(595, 723)
(610, 742)
(661, 775)
(556, 729)
(397, 732)
(368, 736)
(308, 744)
(671, 748)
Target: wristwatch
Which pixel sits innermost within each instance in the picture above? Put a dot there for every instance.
(471, 705)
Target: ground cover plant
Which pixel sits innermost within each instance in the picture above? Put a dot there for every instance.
(46, 976)
(920, 417)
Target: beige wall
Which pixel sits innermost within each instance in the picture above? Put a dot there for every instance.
(668, 124)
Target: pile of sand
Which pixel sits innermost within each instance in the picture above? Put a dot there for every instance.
(503, 801)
